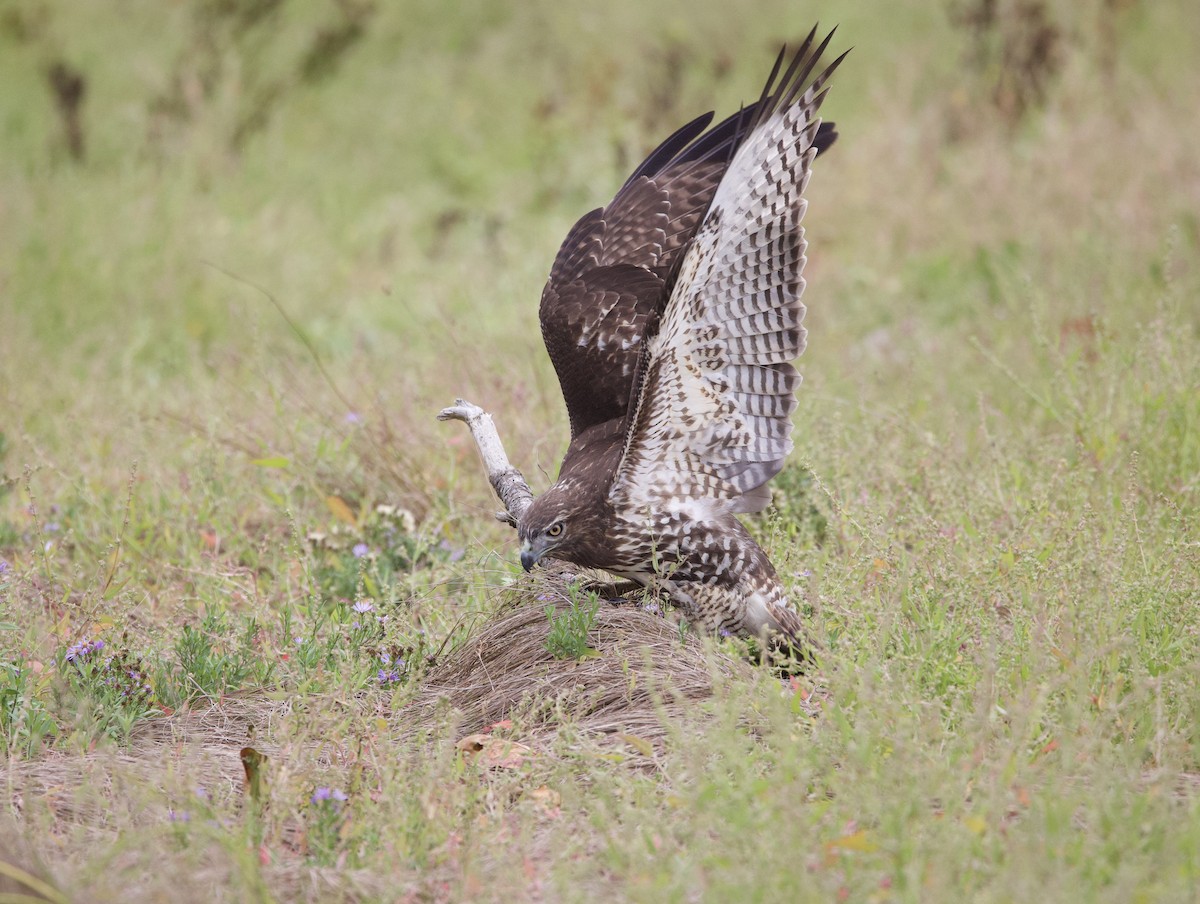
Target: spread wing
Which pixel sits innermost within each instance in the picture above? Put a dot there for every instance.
(613, 271)
(712, 419)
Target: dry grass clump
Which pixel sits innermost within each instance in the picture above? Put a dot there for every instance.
(648, 674)
(180, 752)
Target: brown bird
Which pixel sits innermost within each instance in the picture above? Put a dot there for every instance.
(672, 317)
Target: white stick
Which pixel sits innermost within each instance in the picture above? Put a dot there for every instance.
(506, 480)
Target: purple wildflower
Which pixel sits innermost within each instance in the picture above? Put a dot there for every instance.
(362, 607)
(4, 566)
(388, 676)
(333, 794)
(83, 649)
(725, 632)
(180, 816)
(52, 527)
(360, 550)
(453, 553)
(353, 417)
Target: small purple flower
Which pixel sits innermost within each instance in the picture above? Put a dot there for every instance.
(806, 573)
(333, 794)
(83, 649)
(356, 625)
(4, 566)
(353, 417)
(52, 527)
(180, 816)
(725, 632)
(453, 553)
(362, 607)
(298, 640)
(360, 550)
(652, 608)
(388, 676)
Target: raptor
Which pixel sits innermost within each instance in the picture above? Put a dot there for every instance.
(672, 317)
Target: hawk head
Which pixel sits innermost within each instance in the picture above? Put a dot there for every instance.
(565, 523)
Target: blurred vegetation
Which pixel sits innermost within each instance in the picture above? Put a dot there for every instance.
(248, 248)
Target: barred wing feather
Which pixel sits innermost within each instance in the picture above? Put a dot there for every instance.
(712, 419)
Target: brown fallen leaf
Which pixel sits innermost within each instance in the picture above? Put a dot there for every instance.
(641, 745)
(856, 841)
(495, 753)
(549, 800)
(341, 511)
(253, 764)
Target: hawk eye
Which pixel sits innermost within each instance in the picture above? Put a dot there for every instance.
(555, 529)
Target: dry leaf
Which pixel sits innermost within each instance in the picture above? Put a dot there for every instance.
(254, 763)
(495, 753)
(856, 841)
(549, 800)
(641, 745)
(341, 510)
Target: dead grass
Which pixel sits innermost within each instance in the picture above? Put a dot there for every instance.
(648, 675)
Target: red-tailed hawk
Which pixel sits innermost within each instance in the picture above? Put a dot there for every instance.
(672, 317)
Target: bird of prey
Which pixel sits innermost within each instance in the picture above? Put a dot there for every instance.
(672, 317)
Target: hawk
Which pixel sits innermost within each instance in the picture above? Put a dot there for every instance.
(672, 317)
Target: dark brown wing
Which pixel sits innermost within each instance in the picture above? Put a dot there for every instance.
(613, 270)
(592, 327)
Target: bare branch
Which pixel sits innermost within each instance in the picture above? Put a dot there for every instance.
(506, 480)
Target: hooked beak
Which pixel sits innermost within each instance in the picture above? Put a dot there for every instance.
(529, 558)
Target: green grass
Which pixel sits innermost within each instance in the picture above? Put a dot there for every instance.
(225, 332)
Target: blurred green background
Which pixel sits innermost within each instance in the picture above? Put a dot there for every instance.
(248, 248)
